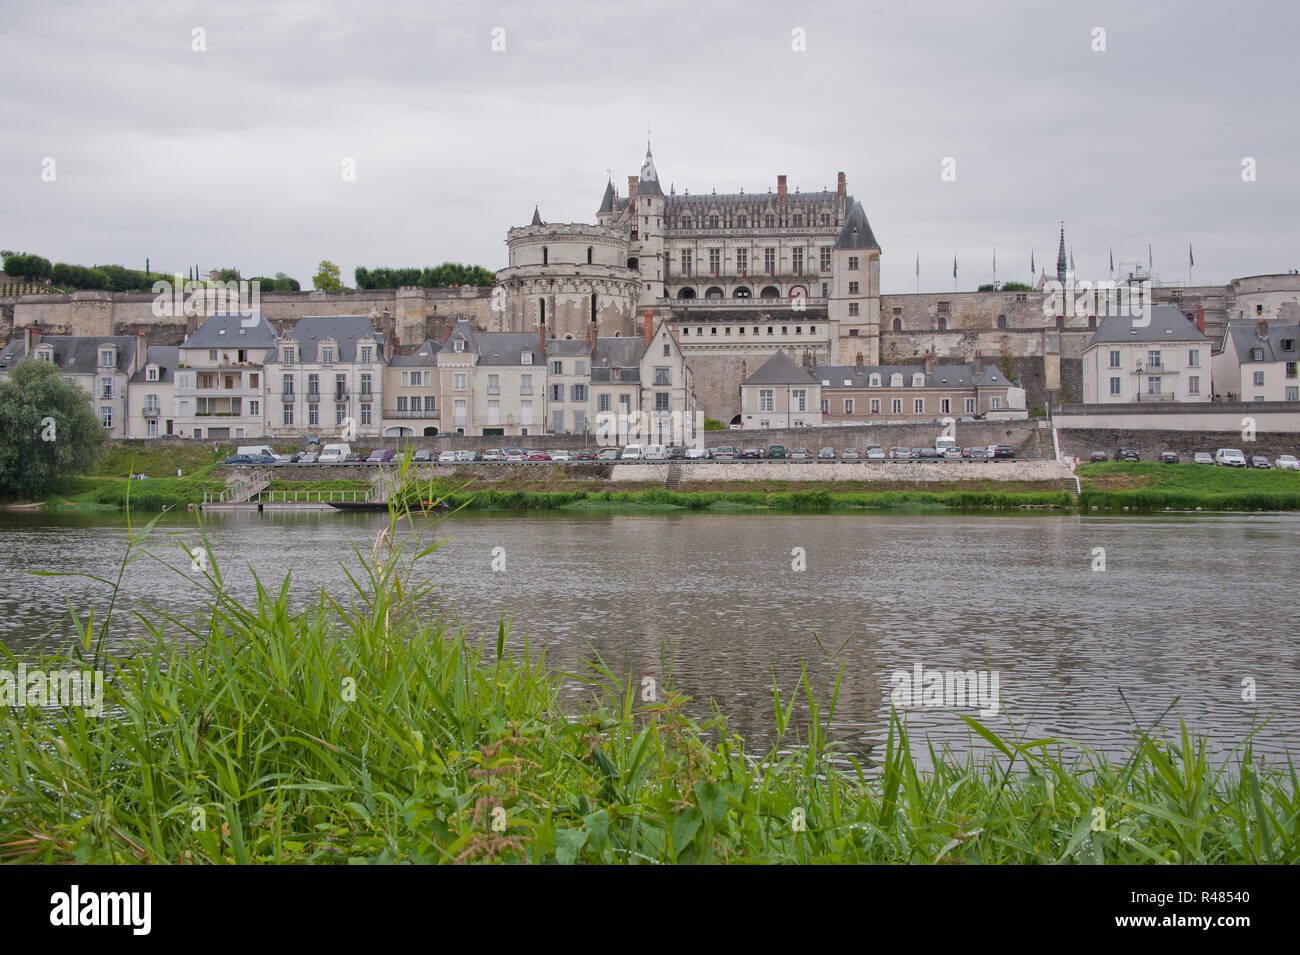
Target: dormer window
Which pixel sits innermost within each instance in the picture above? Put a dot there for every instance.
(45, 353)
(874, 381)
(367, 354)
(1288, 344)
(108, 358)
(918, 380)
(327, 355)
(151, 373)
(1257, 354)
(288, 354)
(525, 358)
(895, 381)
(459, 345)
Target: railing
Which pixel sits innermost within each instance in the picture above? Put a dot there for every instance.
(753, 301)
(151, 411)
(411, 413)
(1162, 396)
(308, 497)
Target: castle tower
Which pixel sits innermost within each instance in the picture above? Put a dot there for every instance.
(854, 305)
(648, 232)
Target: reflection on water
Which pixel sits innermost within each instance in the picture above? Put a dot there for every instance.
(1187, 608)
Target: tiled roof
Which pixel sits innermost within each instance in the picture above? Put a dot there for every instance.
(230, 331)
(780, 369)
(1167, 324)
(345, 330)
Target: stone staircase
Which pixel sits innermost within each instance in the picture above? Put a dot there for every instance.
(674, 477)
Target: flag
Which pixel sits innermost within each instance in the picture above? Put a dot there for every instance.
(1112, 260)
(954, 266)
(1151, 264)
(995, 264)
(918, 265)
(1190, 261)
(1033, 269)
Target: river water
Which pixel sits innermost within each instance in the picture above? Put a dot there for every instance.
(1193, 612)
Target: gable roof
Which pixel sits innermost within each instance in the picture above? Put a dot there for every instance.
(165, 357)
(1242, 338)
(75, 354)
(781, 369)
(425, 355)
(856, 233)
(227, 330)
(345, 330)
(1167, 324)
(940, 376)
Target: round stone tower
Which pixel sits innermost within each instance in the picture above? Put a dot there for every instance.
(567, 275)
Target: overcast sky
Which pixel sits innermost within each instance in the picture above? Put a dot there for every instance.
(233, 156)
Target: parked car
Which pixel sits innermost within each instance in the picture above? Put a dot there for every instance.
(492, 454)
(1229, 458)
(697, 454)
(750, 454)
(676, 453)
(800, 454)
(875, 454)
(1004, 451)
(1286, 462)
(1128, 454)
(1168, 457)
(539, 456)
(953, 454)
(776, 451)
(560, 455)
(899, 454)
(380, 456)
(1202, 457)
(513, 454)
(1260, 461)
(724, 453)
(334, 453)
(447, 457)
(850, 454)
(609, 454)
(356, 457)
(1097, 456)
(826, 454)
(586, 454)
(980, 454)
(308, 457)
(239, 459)
(633, 452)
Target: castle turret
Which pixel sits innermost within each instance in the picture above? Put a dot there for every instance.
(648, 231)
(854, 306)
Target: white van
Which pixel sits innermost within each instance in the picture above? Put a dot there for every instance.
(1230, 457)
(255, 450)
(632, 453)
(655, 452)
(334, 453)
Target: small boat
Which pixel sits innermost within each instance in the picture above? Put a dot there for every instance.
(382, 505)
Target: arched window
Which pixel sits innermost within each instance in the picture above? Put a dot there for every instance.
(632, 262)
(1092, 321)
(589, 255)
(546, 258)
(713, 292)
(686, 293)
(593, 306)
(895, 381)
(943, 324)
(1002, 321)
(898, 324)
(542, 304)
(770, 292)
(874, 381)
(741, 292)
(1060, 322)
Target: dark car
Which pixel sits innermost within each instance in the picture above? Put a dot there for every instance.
(776, 451)
(240, 459)
(586, 454)
(1004, 451)
(354, 457)
(1097, 456)
(826, 454)
(676, 453)
(1128, 454)
(1168, 457)
(380, 456)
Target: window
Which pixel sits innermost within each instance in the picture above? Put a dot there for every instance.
(943, 324)
(340, 387)
(365, 384)
(151, 374)
(1114, 387)
(252, 380)
(459, 343)
(255, 408)
(765, 402)
(313, 386)
(1193, 385)
(624, 403)
(578, 393)
(970, 405)
(825, 258)
(366, 352)
(602, 401)
(769, 260)
(687, 261)
(365, 413)
(458, 382)
(898, 324)
(742, 261)
(715, 260)
(340, 413)
(1290, 369)
(106, 416)
(918, 380)
(212, 356)
(853, 288)
(557, 367)
(799, 400)
(668, 349)
(996, 403)
(796, 261)
(826, 406)
(873, 381)
(661, 401)
(896, 381)
(742, 222)
(401, 404)
(1153, 359)
(494, 407)
(768, 222)
(287, 354)
(106, 387)
(945, 406)
(853, 308)
(525, 358)
(327, 355)
(494, 385)
(1002, 321)
(1292, 393)
(1114, 358)
(897, 406)
(798, 222)
(1257, 354)
(151, 427)
(848, 406)
(875, 406)
(557, 393)
(557, 422)
(853, 263)
(663, 376)
(1194, 358)
(1258, 379)
(918, 405)
(526, 412)
(288, 414)
(525, 384)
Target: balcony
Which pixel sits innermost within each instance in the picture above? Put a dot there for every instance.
(151, 411)
(412, 413)
(1162, 396)
(313, 396)
(753, 302)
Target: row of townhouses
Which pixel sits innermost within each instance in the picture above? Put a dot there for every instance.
(234, 377)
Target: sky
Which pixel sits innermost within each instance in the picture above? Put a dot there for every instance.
(218, 134)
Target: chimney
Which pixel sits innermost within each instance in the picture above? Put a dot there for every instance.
(649, 326)
(141, 350)
(841, 188)
(631, 186)
(191, 324)
(1261, 328)
(929, 362)
(859, 364)
(31, 338)
(1200, 320)
(780, 193)
(593, 334)
(978, 362)
(541, 339)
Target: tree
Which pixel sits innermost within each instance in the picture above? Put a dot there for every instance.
(50, 433)
(327, 276)
(225, 275)
(31, 267)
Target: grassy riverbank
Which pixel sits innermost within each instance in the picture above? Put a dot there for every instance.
(356, 729)
(1115, 485)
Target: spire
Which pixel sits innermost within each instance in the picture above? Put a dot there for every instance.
(649, 184)
(1060, 257)
(537, 217)
(856, 233)
(607, 203)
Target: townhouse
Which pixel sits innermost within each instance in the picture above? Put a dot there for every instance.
(862, 394)
(1257, 362)
(151, 395)
(1166, 359)
(326, 376)
(780, 394)
(219, 387)
(411, 393)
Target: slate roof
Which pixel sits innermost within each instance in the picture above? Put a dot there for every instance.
(228, 330)
(648, 185)
(75, 354)
(941, 376)
(607, 203)
(1168, 324)
(623, 353)
(781, 369)
(426, 355)
(566, 346)
(856, 233)
(1243, 338)
(165, 357)
(346, 330)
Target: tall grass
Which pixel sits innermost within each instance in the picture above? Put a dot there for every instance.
(357, 729)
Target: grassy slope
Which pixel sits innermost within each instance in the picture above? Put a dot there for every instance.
(1150, 486)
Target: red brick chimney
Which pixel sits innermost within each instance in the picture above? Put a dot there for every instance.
(649, 326)
(929, 362)
(780, 193)
(978, 362)
(1200, 320)
(631, 185)
(859, 364)
(841, 188)
(1261, 328)
(141, 350)
(31, 338)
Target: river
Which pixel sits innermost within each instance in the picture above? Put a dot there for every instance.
(1193, 612)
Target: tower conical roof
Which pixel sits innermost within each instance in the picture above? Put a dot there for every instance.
(649, 182)
(1060, 256)
(856, 233)
(607, 203)
(537, 217)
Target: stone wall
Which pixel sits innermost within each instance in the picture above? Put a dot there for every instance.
(851, 471)
(1150, 443)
